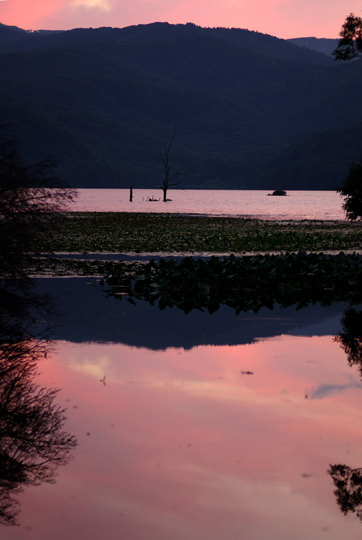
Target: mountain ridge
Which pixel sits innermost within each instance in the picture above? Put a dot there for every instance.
(246, 106)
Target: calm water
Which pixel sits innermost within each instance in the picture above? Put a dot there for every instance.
(256, 204)
(177, 441)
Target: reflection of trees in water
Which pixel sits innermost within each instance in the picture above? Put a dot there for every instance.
(245, 283)
(348, 482)
(32, 441)
(350, 338)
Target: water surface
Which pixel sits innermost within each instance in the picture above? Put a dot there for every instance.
(254, 204)
(199, 426)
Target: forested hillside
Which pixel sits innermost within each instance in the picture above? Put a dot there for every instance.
(249, 111)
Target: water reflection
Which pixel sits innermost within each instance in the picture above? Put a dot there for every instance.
(88, 315)
(33, 443)
(348, 481)
(349, 488)
(181, 442)
(350, 338)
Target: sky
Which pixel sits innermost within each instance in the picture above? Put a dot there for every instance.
(281, 18)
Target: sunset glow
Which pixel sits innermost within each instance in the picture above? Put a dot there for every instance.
(204, 443)
(284, 19)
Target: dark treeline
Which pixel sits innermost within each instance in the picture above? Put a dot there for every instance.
(249, 110)
(33, 443)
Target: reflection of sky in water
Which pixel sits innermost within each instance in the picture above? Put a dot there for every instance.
(249, 203)
(182, 445)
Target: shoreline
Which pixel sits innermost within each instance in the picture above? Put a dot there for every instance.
(97, 239)
(97, 266)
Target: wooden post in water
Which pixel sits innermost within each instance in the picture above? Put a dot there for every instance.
(130, 194)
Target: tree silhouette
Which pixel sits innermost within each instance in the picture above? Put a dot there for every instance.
(30, 198)
(348, 483)
(350, 338)
(351, 189)
(350, 47)
(33, 443)
(350, 42)
(168, 168)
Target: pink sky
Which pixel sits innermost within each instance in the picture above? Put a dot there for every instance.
(179, 444)
(281, 18)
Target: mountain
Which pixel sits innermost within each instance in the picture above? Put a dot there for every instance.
(249, 110)
(145, 326)
(323, 45)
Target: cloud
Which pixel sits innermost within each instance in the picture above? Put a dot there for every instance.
(103, 5)
(326, 390)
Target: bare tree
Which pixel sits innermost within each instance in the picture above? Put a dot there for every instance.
(168, 168)
(30, 198)
(33, 443)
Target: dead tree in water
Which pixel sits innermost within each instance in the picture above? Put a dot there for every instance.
(168, 169)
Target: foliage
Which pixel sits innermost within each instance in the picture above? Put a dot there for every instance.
(350, 47)
(350, 43)
(352, 190)
(348, 483)
(350, 338)
(27, 201)
(243, 283)
(33, 443)
(30, 197)
(166, 233)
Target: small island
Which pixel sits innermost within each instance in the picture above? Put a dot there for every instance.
(278, 193)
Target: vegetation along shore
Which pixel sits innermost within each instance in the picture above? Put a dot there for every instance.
(156, 233)
(162, 234)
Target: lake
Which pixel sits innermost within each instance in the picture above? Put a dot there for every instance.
(198, 426)
(324, 205)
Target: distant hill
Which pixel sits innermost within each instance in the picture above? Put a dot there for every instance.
(323, 45)
(250, 111)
